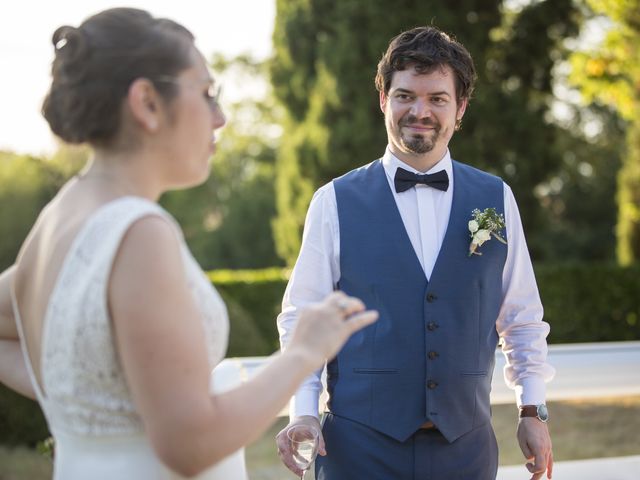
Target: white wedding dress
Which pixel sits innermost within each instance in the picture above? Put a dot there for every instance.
(85, 398)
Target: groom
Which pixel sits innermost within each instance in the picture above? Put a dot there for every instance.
(409, 396)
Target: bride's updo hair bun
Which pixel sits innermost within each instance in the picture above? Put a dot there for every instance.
(69, 44)
(95, 64)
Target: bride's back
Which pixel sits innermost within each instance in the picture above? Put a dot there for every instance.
(61, 285)
(42, 257)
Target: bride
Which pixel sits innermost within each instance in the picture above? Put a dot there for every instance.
(106, 319)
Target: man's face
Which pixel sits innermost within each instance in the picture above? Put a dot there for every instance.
(420, 113)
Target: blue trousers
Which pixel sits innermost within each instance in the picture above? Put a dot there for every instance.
(357, 452)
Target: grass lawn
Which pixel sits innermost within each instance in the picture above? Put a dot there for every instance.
(23, 464)
(580, 429)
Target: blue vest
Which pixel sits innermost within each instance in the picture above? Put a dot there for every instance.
(430, 355)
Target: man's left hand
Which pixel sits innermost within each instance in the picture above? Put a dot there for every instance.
(535, 443)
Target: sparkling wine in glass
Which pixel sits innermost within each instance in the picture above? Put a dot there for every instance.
(304, 445)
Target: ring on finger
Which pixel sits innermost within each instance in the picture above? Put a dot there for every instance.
(343, 305)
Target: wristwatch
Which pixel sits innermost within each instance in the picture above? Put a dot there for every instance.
(538, 411)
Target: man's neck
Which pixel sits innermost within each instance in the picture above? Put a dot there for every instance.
(421, 162)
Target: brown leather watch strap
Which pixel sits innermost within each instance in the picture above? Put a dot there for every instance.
(528, 411)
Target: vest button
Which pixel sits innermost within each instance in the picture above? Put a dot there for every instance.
(431, 384)
(431, 297)
(432, 355)
(431, 326)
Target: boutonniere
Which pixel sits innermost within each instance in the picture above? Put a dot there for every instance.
(483, 226)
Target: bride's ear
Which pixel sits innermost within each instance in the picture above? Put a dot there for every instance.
(145, 104)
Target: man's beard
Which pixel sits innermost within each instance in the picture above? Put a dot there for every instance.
(419, 144)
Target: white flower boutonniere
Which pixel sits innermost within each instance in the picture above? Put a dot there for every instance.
(483, 226)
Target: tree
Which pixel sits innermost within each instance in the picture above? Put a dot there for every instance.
(326, 52)
(509, 128)
(610, 74)
(579, 199)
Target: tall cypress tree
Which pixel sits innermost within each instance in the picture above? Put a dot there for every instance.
(326, 53)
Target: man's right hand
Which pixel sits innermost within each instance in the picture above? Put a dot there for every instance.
(284, 445)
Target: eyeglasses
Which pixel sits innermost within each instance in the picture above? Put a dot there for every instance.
(212, 94)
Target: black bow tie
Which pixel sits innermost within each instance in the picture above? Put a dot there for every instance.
(404, 180)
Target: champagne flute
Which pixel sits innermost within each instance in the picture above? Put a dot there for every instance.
(304, 445)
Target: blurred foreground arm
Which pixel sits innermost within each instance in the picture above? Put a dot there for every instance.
(13, 370)
(160, 338)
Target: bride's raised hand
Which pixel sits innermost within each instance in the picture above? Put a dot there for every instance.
(324, 327)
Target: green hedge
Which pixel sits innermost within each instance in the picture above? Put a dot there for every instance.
(259, 292)
(587, 302)
(21, 420)
(583, 303)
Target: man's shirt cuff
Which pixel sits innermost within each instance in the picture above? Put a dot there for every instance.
(304, 402)
(531, 391)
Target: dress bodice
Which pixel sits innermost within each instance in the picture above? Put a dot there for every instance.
(85, 391)
(85, 396)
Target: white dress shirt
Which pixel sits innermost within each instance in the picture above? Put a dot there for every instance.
(425, 214)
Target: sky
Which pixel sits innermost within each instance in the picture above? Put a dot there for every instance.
(230, 27)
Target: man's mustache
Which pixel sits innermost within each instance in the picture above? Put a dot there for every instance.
(425, 122)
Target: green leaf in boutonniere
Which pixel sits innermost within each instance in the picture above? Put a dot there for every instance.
(483, 226)
(46, 448)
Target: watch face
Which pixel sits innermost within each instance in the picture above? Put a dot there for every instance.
(543, 414)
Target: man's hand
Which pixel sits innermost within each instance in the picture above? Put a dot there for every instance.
(535, 443)
(284, 446)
